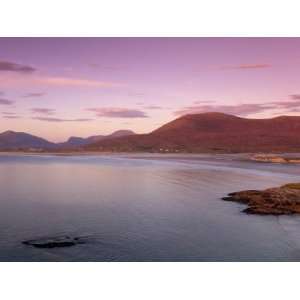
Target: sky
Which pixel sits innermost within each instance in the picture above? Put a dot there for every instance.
(61, 87)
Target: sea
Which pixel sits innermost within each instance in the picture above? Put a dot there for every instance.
(142, 207)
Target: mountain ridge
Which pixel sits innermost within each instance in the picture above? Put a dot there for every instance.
(212, 132)
(75, 141)
(192, 133)
(15, 140)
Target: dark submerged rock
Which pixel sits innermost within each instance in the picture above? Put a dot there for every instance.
(274, 201)
(53, 242)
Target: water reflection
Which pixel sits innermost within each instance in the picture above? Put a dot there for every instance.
(140, 209)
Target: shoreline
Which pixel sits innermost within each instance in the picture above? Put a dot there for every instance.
(246, 157)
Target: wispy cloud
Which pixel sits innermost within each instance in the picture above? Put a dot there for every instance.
(117, 112)
(239, 109)
(154, 107)
(8, 113)
(50, 119)
(7, 66)
(11, 117)
(136, 94)
(245, 66)
(293, 103)
(41, 80)
(103, 67)
(44, 111)
(203, 101)
(67, 81)
(245, 109)
(34, 95)
(295, 97)
(6, 102)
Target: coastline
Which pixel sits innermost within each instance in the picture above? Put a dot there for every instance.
(243, 157)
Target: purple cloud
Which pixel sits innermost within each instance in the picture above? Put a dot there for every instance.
(286, 104)
(203, 101)
(8, 113)
(239, 109)
(7, 66)
(136, 94)
(109, 68)
(44, 111)
(295, 97)
(289, 105)
(117, 112)
(33, 95)
(153, 107)
(245, 67)
(294, 103)
(49, 119)
(6, 102)
(11, 117)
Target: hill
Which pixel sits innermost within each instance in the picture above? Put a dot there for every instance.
(74, 141)
(212, 132)
(11, 140)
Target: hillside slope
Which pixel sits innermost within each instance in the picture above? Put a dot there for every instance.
(12, 140)
(212, 132)
(74, 141)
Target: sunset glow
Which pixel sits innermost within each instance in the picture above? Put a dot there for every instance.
(62, 87)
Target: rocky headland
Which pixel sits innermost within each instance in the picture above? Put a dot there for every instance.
(275, 159)
(273, 201)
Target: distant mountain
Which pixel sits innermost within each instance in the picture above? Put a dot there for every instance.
(73, 141)
(78, 141)
(207, 132)
(120, 133)
(11, 140)
(212, 132)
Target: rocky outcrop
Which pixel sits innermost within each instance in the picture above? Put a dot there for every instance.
(275, 159)
(273, 201)
(52, 242)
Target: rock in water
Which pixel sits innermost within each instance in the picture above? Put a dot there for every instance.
(52, 242)
(275, 159)
(274, 201)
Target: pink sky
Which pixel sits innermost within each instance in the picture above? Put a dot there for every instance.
(61, 87)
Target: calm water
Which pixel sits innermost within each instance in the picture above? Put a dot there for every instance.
(145, 208)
